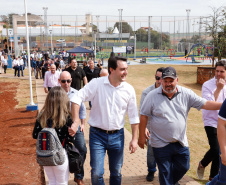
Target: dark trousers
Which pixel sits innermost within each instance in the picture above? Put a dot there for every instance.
(5, 68)
(16, 70)
(212, 155)
(80, 144)
(173, 162)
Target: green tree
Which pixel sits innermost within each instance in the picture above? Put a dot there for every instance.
(109, 30)
(216, 28)
(126, 28)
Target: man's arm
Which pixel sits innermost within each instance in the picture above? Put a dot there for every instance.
(83, 125)
(85, 80)
(46, 83)
(75, 117)
(221, 134)
(46, 89)
(212, 105)
(133, 142)
(142, 136)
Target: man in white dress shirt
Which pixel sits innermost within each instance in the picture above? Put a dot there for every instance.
(51, 78)
(112, 97)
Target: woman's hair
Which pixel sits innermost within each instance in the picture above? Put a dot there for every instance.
(56, 107)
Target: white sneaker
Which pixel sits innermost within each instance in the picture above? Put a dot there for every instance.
(200, 171)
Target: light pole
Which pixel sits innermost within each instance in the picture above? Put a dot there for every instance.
(51, 31)
(95, 46)
(31, 106)
(45, 21)
(120, 24)
(135, 40)
(188, 29)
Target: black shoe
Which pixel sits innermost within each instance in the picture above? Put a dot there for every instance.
(177, 183)
(150, 176)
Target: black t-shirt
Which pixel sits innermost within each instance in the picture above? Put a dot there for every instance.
(77, 76)
(90, 75)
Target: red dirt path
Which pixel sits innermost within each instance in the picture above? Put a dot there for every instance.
(18, 164)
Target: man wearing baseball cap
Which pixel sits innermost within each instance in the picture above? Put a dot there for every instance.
(168, 107)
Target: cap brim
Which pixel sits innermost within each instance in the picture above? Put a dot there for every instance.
(174, 77)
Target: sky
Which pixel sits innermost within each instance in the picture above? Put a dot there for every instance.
(107, 7)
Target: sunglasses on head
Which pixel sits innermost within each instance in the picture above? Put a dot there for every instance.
(157, 77)
(64, 81)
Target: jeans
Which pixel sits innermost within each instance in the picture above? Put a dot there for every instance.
(151, 159)
(212, 155)
(80, 144)
(173, 162)
(219, 179)
(21, 68)
(99, 143)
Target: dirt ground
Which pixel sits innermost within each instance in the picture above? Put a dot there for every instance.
(18, 164)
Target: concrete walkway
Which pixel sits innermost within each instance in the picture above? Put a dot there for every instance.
(134, 168)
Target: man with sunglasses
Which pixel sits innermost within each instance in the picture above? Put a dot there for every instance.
(168, 107)
(79, 141)
(150, 155)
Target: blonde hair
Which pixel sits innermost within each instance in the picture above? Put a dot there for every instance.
(56, 107)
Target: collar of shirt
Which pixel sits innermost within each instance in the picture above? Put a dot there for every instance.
(106, 81)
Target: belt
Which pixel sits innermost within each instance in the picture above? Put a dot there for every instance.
(107, 131)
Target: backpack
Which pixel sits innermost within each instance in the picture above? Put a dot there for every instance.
(49, 149)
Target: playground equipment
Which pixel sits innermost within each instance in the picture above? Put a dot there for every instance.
(171, 53)
(198, 52)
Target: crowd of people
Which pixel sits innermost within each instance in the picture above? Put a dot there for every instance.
(162, 123)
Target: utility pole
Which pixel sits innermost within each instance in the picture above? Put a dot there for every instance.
(120, 24)
(45, 22)
(188, 29)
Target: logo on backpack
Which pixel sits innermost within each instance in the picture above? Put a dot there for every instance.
(49, 149)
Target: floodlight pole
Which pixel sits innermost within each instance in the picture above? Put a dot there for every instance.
(135, 40)
(188, 29)
(51, 31)
(31, 106)
(95, 47)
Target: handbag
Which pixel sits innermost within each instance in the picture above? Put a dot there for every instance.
(74, 157)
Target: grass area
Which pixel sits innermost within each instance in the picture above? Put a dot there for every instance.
(142, 76)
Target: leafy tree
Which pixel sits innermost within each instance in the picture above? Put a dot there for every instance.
(109, 30)
(126, 28)
(142, 36)
(216, 28)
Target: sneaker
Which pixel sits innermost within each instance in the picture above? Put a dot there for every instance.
(150, 176)
(200, 171)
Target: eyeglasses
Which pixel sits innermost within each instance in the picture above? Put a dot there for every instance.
(64, 81)
(157, 77)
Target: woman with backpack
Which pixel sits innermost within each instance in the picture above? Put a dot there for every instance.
(54, 114)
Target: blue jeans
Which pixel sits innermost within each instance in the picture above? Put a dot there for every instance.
(219, 179)
(99, 143)
(173, 162)
(80, 144)
(151, 159)
(21, 68)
